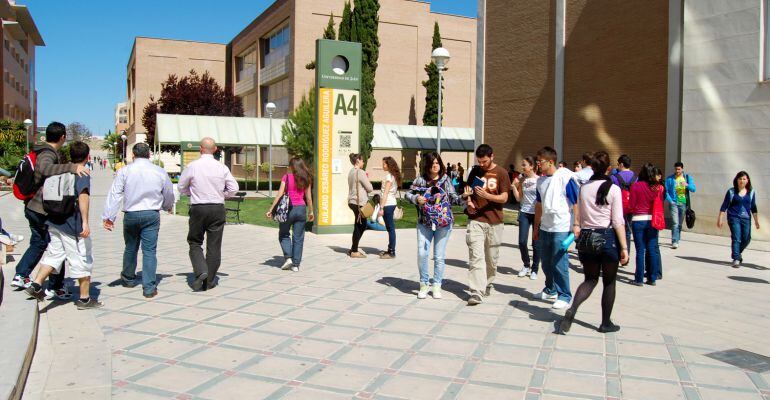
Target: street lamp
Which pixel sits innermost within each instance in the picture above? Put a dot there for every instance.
(124, 137)
(27, 124)
(270, 108)
(441, 58)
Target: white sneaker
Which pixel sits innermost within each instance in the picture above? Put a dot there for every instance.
(524, 272)
(675, 245)
(545, 296)
(287, 264)
(533, 276)
(436, 291)
(294, 269)
(16, 238)
(736, 263)
(423, 293)
(61, 294)
(559, 304)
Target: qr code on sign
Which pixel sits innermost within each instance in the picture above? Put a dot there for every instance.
(346, 140)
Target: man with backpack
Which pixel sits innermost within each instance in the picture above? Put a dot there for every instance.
(488, 192)
(41, 163)
(623, 177)
(66, 199)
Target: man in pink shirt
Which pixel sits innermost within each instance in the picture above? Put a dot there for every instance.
(208, 182)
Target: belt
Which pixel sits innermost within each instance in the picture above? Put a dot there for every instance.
(644, 217)
(207, 204)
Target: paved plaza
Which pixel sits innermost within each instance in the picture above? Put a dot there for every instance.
(342, 328)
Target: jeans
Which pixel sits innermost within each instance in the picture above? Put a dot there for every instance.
(740, 232)
(358, 228)
(646, 243)
(555, 262)
(677, 218)
(208, 220)
(527, 221)
(141, 227)
(390, 225)
(292, 245)
(440, 238)
(483, 242)
(38, 241)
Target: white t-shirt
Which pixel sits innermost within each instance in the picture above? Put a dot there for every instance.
(391, 200)
(557, 194)
(529, 195)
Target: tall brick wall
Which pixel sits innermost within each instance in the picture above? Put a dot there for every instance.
(519, 78)
(615, 79)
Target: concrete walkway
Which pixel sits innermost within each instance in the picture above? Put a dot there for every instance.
(344, 328)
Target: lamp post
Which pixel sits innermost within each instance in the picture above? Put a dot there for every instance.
(441, 58)
(114, 152)
(124, 137)
(27, 124)
(270, 108)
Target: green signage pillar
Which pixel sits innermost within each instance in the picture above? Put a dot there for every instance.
(338, 101)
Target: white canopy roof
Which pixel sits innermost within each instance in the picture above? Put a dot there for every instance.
(239, 131)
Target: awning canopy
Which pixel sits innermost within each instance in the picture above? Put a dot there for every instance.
(245, 131)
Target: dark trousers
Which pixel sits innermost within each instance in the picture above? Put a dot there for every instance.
(358, 228)
(390, 225)
(38, 241)
(208, 220)
(527, 221)
(740, 233)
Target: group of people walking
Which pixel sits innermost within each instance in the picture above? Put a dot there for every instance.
(599, 207)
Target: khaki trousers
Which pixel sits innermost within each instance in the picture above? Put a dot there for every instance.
(483, 241)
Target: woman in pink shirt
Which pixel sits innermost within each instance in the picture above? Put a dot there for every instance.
(644, 193)
(602, 241)
(297, 185)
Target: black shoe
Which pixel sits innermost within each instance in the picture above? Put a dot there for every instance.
(651, 283)
(637, 283)
(88, 305)
(608, 328)
(151, 295)
(200, 282)
(474, 300)
(38, 294)
(211, 285)
(128, 284)
(566, 322)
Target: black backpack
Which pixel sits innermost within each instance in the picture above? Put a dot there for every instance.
(24, 185)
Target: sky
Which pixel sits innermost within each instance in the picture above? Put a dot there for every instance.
(81, 71)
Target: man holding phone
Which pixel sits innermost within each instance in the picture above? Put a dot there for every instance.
(488, 191)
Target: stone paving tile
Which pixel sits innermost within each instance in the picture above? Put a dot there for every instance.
(219, 357)
(717, 394)
(175, 378)
(501, 374)
(206, 332)
(312, 394)
(337, 333)
(168, 348)
(235, 387)
(475, 392)
(343, 377)
(578, 361)
(450, 347)
(648, 368)
(372, 357)
(312, 348)
(726, 377)
(569, 382)
(409, 387)
(638, 389)
(517, 354)
(279, 367)
(434, 365)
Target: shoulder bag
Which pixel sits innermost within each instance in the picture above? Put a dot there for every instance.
(689, 214)
(366, 210)
(658, 218)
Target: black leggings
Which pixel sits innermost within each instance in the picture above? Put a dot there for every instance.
(358, 228)
(609, 270)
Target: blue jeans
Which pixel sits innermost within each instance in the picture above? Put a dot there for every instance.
(440, 238)
(527, 221)
(141, 227)
(677, 218)
(390, 225)
(555, 264)
(646, 243)
(38, 241)
(292, 245)
(740, 232)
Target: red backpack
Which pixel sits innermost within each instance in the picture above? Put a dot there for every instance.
(625, 191)
(24, 185)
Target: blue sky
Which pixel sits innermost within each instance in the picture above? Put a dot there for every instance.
(81, 70)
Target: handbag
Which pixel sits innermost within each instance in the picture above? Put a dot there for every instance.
(398, 213)
(689, 214)
(590, 242)
(281, 210)
(658, 218)
(367, 210)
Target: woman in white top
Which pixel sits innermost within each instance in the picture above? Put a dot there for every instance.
(388, 203)
(526, 194)
(601, 243)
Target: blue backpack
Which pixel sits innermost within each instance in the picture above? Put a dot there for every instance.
(437, 209)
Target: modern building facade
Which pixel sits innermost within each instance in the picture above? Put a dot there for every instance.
(267, 62)
(20, 36)
(151, 62)
(660, 80)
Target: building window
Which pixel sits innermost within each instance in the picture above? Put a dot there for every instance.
(277, 46)
(277, 93)
(246, 65)
(249, 102)
(248, 154)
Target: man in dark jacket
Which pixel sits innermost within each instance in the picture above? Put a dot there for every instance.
(47, 164)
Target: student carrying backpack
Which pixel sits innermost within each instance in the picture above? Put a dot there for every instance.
(625, 190)
(24, 184)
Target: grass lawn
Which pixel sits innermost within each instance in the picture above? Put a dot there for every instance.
(253, 212)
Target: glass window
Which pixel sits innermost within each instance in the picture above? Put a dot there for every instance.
(278, 93)
(246, 64)
(247, 154)
(277, 45)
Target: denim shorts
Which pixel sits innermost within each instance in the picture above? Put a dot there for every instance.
(610, 253)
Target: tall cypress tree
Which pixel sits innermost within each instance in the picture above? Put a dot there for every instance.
(366, 22)
(345, 24)
(430, 116)
(329, 32)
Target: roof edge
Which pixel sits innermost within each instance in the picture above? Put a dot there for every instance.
(28, 23)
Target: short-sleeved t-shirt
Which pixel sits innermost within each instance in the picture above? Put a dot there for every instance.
(681, 191)
(392, 193)
(529, 195)
(495, 182)
(73, 225)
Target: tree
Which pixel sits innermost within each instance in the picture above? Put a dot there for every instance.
(328, 34)
(190, 95)
(299, 130)
(78, 131)
(366, 22)
(345, 23)
(12, 143)
(430, 116)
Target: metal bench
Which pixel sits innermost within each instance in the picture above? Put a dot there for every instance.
(233, 207)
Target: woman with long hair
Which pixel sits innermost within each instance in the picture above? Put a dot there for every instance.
(525, 192)
(602, 241)
(740, 204)
(433, 194)
(297, 184)
(388, 203)
(359, 188)
(644, 193)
